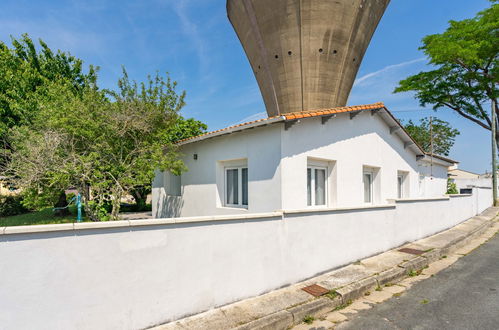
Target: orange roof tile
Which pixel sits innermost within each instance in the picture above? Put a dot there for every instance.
(295, 115)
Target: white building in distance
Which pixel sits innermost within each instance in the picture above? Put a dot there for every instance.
(347, 157)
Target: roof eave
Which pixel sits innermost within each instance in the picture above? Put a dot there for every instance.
(231, 130)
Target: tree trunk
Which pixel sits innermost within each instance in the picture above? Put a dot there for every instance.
(116, 203)
(140, 195)
(61, 205)
(85, 192)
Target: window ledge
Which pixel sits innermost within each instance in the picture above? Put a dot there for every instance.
(240, 208)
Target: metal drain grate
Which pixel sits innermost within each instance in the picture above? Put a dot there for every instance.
(412, 251)
(315, 290)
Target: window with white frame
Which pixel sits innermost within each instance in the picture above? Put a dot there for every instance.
(316, 185)
(236, 186)
(400, 186)
(368, 179)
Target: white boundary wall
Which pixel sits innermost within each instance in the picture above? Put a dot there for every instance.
(135, 274)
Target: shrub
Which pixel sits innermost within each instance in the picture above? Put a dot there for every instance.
(451, 187)
(12, 205)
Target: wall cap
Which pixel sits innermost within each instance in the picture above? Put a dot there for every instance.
(131, 223)
(320, 210)
(424, 199)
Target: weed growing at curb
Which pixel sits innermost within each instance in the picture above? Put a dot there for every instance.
(398, 294)
(332, 294)
(424, 301)
(443, 257)
(342, 306)
(368, 293)
(308, 319)
(389, 285)
(413, 273)
(429, 250)
(378, 288)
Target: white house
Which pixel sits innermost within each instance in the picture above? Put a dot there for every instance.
(465, 180)
(338, 158)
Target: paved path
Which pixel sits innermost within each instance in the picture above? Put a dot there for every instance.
(463, 296)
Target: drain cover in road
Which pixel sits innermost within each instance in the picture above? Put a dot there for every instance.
(412, 251)
(315, 290)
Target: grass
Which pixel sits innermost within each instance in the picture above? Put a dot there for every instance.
(332, 294)
(46, 216)
(378, 288)
(413, 272)
(424, 301)
(43, 217)
(308, 319)
(342, 306)
(398, 294)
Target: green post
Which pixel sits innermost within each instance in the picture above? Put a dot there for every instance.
(78, 205)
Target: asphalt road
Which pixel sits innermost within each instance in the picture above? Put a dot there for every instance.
(463, 296)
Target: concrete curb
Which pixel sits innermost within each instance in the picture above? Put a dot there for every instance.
(293, 315)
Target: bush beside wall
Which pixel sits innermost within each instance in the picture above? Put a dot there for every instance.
(12, 205)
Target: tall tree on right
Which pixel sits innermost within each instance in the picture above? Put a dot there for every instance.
(465, 78)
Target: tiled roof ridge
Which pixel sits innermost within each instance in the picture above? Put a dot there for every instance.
(298, 115)
(322, 112)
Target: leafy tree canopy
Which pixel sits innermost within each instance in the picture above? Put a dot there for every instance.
(110, 141)
(62, 131)
(25, 72)
(441, 131)
(465, 77)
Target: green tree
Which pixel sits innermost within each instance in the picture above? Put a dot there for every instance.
(183, 129)
(443, 135)
(26, 71)
(109, 141)
(465, 77)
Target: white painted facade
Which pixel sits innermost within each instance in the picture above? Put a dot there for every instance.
(277, 159)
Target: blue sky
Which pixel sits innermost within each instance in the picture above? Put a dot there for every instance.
(195, 43)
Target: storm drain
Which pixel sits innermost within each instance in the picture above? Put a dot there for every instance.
(412, 251)
(315, 290)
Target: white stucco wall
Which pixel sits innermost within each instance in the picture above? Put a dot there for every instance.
(136, 276)
(277, 166)
(202, 184)
(352, 144)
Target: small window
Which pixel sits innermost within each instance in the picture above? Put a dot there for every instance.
(400, 186)
(174, 185)
(316, 186)
(236, 186)
(368, 187)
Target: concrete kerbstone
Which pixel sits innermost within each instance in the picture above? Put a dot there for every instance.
(357, 289)
(280, 321)
(2, 230)
(391, 275)
(432, 255)
(100, 225)
(315, 307)
(415, 264)
(37, 228)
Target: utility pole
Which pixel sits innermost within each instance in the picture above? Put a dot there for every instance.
(494, 152)
(431, 147)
